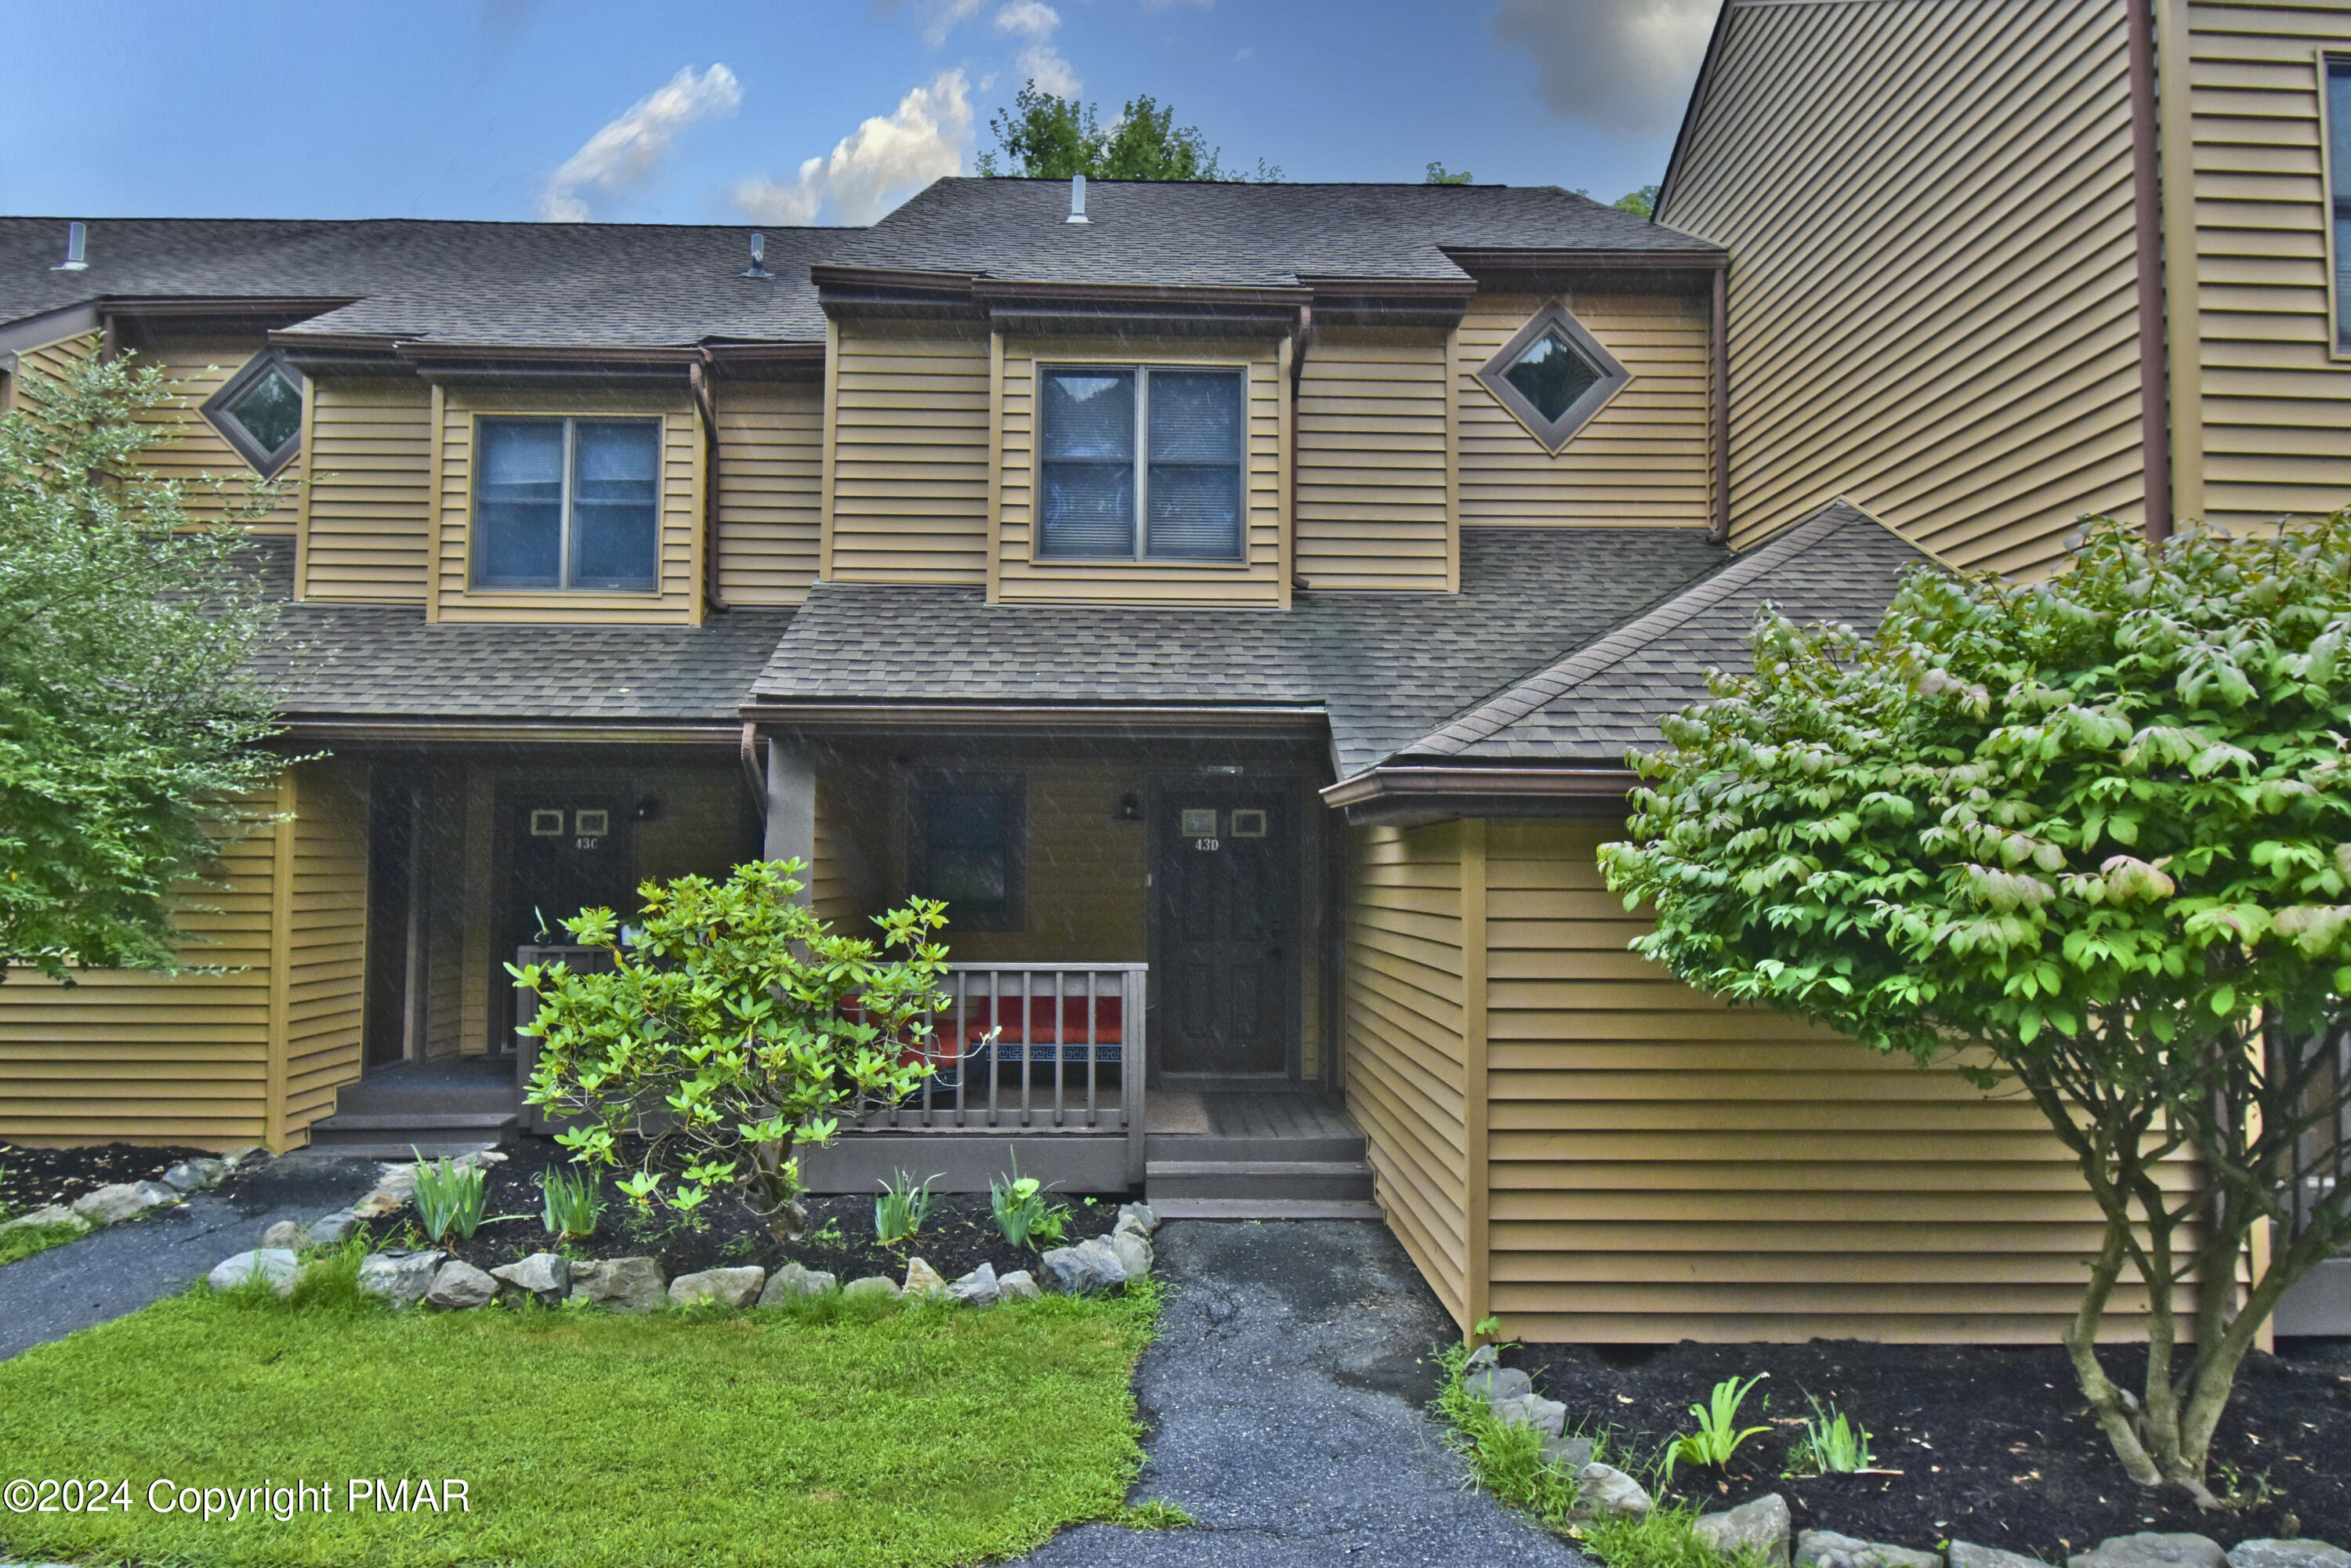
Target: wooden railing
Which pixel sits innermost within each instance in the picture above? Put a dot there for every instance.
(1032, 1049)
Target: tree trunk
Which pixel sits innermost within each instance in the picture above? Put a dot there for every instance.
(2112, 1408)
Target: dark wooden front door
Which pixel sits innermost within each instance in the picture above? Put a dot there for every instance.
(1227, 869)
(393, 897)
(568, 851)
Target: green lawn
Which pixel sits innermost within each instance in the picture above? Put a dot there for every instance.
(821, 1434)
(28, 1239)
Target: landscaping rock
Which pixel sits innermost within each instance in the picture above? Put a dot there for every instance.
(791, 1282)
(872, 1285)
(41, 1218)
(331, 1230)
(1568, 1454)
(1968, 1554)
(285, 1233)
(2150, 1550)
(276, 1264)
(1138, 1214)
(191, 1175)
(460, 1287)
(1133, 1249)
(1018, 1286)
(1827, 1549)
(1548, 1417)
(976, 1289)
(2267, 1553)
(110, 1204)
(546, 1275)
(1484, 1355)
(155, 1194)
(1604, 1489)
(400, 1278)
(395, 1185)
(1490, 1383)
(921, 1279)
(1760, 1526)
(728, 1286)
(624, 1284)
(1090, 1266)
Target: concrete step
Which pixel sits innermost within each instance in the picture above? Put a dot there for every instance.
(1259, 1181)
(1264, 1208)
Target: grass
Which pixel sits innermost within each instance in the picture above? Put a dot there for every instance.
(27, 1240)
(826, 1432)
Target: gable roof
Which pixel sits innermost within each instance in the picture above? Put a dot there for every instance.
(1610, 695)
(1195, 233)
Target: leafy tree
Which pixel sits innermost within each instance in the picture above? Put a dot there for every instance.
(2091, 839)
(1047, 137)
(1641, 203)
(127, 729)
(1438, 175)
(733, 1029)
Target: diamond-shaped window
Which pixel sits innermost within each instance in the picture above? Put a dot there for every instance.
(1554, 376)
(260, 411)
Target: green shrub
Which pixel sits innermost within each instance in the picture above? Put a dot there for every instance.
(449, 1197)
(900, 1210)
(569, 1204)
(1022, 1214)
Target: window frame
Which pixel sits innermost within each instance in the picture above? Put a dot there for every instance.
(1139, 537)
(1554, 433)
(2338, 299)
(266, 463)
(1014, 786)
(476, 535)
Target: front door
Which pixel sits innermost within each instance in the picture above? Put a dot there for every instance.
(1226, 868)
(568, 851)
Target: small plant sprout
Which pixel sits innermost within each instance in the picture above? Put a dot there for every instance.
(1833, 1444)
(1487, 1328)
(569, 1204)
(1718, 1436)
(448, 1197)
(900, 1210)
(1021, 1212)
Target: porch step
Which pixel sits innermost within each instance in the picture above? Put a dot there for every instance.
(391, 1134)
(1257, 1181)
(1265, 1208)
(1191, 1147)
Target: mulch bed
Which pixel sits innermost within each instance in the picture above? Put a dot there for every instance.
(31, 1177)
(959, 1237)
(1993, 1445)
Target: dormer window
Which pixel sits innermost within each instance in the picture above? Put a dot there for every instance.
(568, 503)
(259, 412)
(1553, 376)
(1140, 463)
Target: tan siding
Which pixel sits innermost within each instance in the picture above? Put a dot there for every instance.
(148, 1057)
(1930, 211)
(1372, 510)
(770, 467)
(370, 500)
(1257, 580)
(679, 598)
(1663, 1167)
(197, 454)
(45, 366)
(1642, 459)
(2276, 404)
(327, 943)
(909, 484)
(1407, 1070)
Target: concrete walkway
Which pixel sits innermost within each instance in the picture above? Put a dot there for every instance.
(1286, 1402)
(124, 1267)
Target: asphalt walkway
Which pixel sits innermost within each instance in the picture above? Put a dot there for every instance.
(1286, 1405)
(124, 1268)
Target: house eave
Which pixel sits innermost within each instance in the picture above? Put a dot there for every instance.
(1408, 794)
(354, 728)
(1194, 719)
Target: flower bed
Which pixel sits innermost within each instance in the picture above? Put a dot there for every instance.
(35, 1179)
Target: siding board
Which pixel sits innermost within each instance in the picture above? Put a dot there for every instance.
(770, 469)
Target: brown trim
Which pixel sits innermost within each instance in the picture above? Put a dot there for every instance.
(992, 291)
(1563, 783)
(929, 715)
(1556, 260)
(826, 274)
(765, 353)
(706, 408)
(521, 731)
(755, 773)
(1332, 285)
(2146, 207)
(297, 306)
(1718, 406)
(1477, 1112)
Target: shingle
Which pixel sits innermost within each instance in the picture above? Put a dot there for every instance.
(1195, 233)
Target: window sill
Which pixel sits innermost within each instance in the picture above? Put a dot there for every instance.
(1132, 563)
(575, 595)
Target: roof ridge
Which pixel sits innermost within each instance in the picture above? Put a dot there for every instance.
(1547, 686)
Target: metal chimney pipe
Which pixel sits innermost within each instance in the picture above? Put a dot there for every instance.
(1077, 199)
(77, 248)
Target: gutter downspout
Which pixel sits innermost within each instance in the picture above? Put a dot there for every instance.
(1297, 339)
(1719, 412)
(753, 774)
(2147, 208)
(697, 376)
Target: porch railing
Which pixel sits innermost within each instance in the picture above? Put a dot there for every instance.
(1031, 1048)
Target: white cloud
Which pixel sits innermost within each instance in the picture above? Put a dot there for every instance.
(1245, 52)
(1620, 65)
(1040, 61)
(631, 149)
(875, 165)
(947, 16)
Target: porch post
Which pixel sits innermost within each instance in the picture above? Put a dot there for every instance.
(791, 809)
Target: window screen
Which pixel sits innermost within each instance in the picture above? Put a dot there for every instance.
(568, 503)
(2338, 180)
(1140, 462)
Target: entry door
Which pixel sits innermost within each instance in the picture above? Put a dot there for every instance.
(393, 896)
(1228, 879)
(569, 852)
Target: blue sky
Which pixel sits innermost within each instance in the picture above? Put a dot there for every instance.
(789, 112)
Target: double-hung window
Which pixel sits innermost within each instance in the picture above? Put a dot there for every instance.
(966, 847)
(568, 503)
(1141, 462)
(2338, 190)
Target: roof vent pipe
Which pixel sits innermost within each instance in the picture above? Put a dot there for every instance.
(1077, 199)
(759, 268)
(76, 244)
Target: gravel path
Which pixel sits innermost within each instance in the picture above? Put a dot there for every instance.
(124, 1267)
(1286, 1401)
